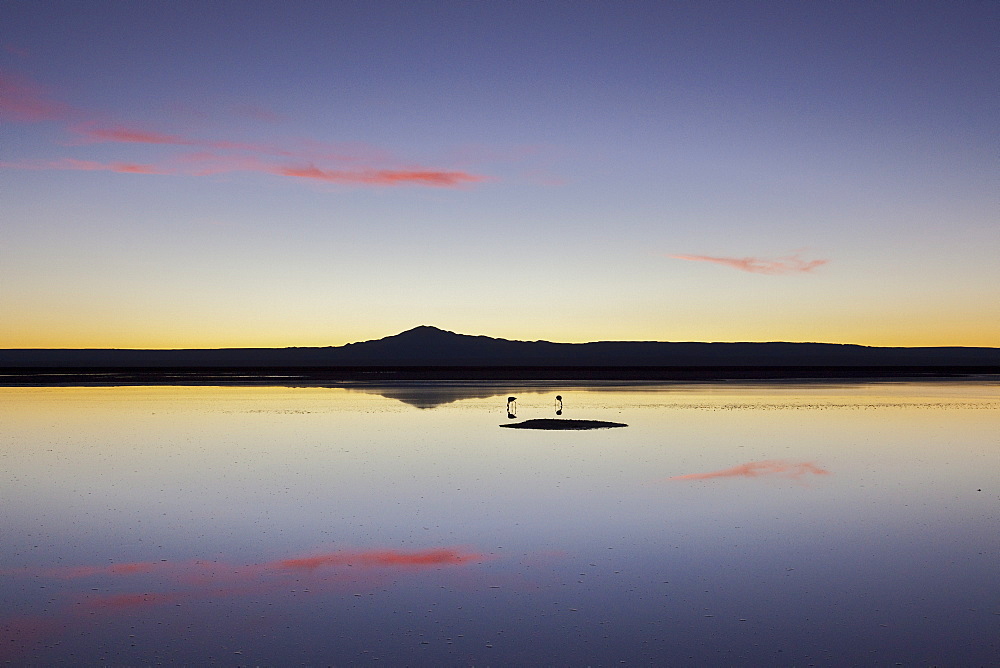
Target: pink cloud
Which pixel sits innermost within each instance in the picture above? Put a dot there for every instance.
(89, 166)
(357, 164)
(91, 132)
(303, 150)
(383, 177)
(128, 135)
(204, 163)
(210, 161)
(122, 134)
(24, 101)
(783, 265)
(783, 469)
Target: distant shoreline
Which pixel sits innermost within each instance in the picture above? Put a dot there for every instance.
(297, 376)
(431, 352)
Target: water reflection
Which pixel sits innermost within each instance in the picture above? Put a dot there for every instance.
(173, 582)
(334, 526)
(424, 395)
(793, 470)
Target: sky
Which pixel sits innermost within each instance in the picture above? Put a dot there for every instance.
(242, 174)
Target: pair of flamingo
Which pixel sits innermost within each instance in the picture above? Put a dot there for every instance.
(512, 406)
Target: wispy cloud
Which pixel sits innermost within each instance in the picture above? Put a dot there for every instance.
(129, 135)
(789, 264)
(345, 163)
(91, 132)
(784, 469)
(383, 177)
(88, 166)
(205, 164)
(24, 101)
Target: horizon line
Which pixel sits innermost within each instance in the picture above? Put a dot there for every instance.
(496, 338)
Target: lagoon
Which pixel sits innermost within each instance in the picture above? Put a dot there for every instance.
(729, 523)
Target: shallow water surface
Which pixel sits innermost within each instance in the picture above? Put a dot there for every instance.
(770, 523)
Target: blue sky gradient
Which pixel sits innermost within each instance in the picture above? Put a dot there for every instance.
(192, 174)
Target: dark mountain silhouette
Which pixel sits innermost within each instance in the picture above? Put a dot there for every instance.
(426, 346)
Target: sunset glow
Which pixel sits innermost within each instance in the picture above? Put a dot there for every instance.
(185, 176)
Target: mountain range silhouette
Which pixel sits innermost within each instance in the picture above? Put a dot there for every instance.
(427, 346)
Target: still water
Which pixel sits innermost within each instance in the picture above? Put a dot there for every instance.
(728, 524)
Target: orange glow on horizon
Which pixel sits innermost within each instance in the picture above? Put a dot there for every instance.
(62, 324)
(263, 338)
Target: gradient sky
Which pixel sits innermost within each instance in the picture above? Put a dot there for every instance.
(206, 174)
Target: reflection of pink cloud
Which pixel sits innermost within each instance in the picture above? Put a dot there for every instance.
(74, 572)
(782, 265)
(130, 601)
(132, 568)
(200, 579)
(756, 469)
(386, 558)
(153, 584)
(18, 633)
(204, 571)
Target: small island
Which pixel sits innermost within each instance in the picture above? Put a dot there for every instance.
(565, 425)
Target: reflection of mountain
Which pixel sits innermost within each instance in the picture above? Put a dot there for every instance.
(431, 396)
(432, 347)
